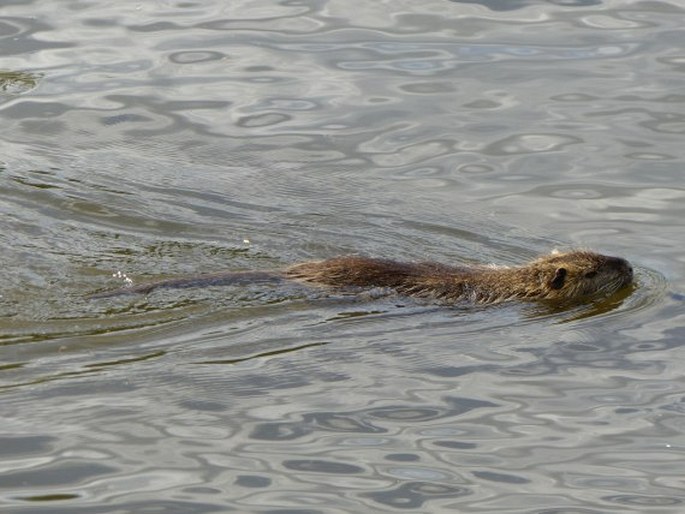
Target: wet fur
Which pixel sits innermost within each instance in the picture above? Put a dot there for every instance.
(558, 276)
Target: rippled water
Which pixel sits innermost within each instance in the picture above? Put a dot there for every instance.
(159, 139)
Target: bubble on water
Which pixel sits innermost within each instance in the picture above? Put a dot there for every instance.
(123, 276)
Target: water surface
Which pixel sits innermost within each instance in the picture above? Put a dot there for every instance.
(158, 139)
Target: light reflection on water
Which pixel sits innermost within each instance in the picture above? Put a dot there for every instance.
(167, 138)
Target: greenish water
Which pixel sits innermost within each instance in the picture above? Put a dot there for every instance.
(158, 139)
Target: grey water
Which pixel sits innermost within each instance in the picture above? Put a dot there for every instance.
(153, 140)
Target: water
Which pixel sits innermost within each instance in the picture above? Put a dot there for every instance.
(156, 139)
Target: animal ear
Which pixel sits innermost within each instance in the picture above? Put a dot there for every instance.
(559, 278)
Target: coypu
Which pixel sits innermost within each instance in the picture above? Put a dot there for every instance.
(558, 277)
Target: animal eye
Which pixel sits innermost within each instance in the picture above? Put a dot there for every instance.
(591, 274)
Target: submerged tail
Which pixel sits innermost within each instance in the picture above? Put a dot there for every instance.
(229, 278)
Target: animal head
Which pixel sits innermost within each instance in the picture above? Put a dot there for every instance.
(581, 273)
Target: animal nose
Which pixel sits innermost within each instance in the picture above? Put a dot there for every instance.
(627, 267)
(621, 264)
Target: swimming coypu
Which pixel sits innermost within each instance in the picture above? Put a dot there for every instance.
(558, 277)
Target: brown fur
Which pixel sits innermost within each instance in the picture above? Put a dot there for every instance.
(558, 276)
(570, 276)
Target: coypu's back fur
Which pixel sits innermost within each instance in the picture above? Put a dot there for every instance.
(569, 276)
(565, 276)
